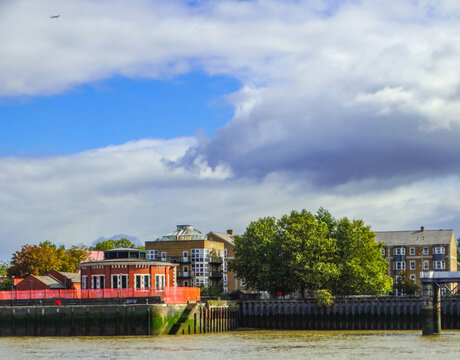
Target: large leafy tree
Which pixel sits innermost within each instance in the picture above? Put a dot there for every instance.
(39, 259)
(113, 244)
(302, 252)
(310, 253)
(363, 270)
(260, 259)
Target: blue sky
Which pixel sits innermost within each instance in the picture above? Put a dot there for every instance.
(132, 117)
(114, 111)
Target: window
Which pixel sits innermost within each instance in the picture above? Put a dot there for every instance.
(412, 265)
(142, 281)
(224, 266)
(84, 282)
(225, 253)
(185, 255)
(163, 256)
(159, 282)
(439, 250)
(426, 265)
(186, 283)
(412, 251)
(185, 269)
(120, 281)
(425, 251)
(97, 281)
(152, 255)
(399, 251)
(439, 265)
(383, 251)
(399, 265)
(412, 277)
(225, 278)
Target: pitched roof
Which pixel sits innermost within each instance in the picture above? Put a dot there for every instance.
(224, 236)
(50, 281)
(74, 277)
(414, 237)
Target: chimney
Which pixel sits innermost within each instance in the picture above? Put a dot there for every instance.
(230, 232)
(422, 228)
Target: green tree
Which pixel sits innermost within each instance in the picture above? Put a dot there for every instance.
(40, 259)
(113, 244)
(363, 270)
(302, 252)
(405, 285)
(310, 253)
(259, 257)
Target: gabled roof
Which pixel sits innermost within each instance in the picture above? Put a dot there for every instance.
(49, 281)
(224, 236)
(414, 237)
(74, 277)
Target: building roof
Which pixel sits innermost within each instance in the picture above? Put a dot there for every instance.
(224, 236)
(414, 237)
(49, 281)
(184, 232)
(74, 277)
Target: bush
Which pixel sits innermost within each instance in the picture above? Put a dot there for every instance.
(324, 298)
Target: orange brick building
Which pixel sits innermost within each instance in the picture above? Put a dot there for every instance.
(126, 269)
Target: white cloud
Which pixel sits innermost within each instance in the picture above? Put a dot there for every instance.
(350, 106)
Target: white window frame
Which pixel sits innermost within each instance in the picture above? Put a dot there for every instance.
(96, 281)
(399, 265)
(412, 277)
(439, 250)
(163, 256)
(439, 265)
(426, 265)
(225, 253)
(412, 265)
(399, 251)
(160, 282)
(152, 255)
(84, 282)
(412, 251)
(383, 251)
(142, 281)
(426, 251)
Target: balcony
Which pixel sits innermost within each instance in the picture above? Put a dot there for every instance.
(183, 274)
(215, 260)
(215, 275)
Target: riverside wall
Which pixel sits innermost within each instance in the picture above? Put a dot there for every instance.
(345, 314)
(116, 320)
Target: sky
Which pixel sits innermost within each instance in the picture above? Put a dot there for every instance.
(130, 117)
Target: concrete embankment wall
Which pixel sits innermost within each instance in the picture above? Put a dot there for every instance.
(349, 314)
(111, 320)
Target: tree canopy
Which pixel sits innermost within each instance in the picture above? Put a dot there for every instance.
(302, 251)
(40, 259)
(113, 244)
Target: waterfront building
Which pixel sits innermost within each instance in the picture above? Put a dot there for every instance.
(52, 280)
(200, 260)
(410, 252)
(230, 281)
(126, 268)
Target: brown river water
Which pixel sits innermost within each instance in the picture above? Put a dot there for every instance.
(256, 344)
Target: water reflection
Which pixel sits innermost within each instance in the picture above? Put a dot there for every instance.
(241, 345)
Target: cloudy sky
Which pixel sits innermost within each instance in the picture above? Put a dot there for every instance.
(129, 117)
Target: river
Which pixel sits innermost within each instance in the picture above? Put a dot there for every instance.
(256, 344)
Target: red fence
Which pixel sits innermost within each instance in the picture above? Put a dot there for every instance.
(170, 295)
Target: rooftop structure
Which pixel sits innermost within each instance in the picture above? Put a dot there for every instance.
(184, 233)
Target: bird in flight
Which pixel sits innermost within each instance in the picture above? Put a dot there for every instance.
(54, 16)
